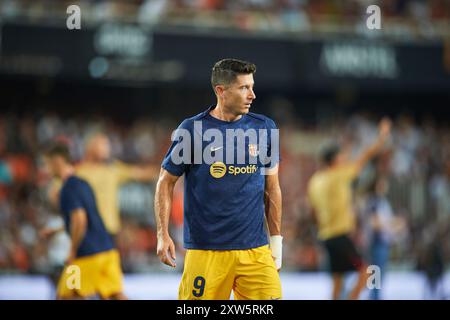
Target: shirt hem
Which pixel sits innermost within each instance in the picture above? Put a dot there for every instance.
(224, 247)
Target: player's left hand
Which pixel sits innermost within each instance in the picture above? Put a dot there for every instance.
(276, 245)
(385, 128)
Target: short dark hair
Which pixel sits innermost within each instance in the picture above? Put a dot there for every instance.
(58, 149)
(225, 71)
(329, 153)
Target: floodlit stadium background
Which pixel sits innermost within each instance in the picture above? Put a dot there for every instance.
(137, 68)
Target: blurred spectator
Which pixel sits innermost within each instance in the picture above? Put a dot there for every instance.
(406, 17)
(383, 227)
(431, 262)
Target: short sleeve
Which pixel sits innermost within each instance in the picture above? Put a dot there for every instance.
(123, 171)
(71, 198)
(178, 158)
(349, 172)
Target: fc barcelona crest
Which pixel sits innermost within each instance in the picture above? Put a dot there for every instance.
(253, 150)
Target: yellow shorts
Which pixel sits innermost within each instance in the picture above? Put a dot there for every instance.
(212, 274)
(90, 275)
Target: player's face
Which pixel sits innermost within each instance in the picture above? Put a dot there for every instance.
(239, 95)
(342, 157)
(54, 165)
(103, 148)
(100, 148)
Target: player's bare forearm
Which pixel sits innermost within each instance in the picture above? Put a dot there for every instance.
(273, 203)
(273, 212)
(49, 232)
(376, 147)
(145, 173)
(163, 207)
(163, 201)
(372, 150)
(78, 226)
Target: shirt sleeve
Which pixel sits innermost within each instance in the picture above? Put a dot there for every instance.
(179, 156)
(349, 172)
(123, 171)
(71, 198)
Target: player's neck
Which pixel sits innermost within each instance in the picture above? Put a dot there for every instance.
(220, 113)
(67, 172)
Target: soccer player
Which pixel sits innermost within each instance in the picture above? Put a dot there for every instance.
(92, 249)
(225, 203)
(106, 177)
(330, 196)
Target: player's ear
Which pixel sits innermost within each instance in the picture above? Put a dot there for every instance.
(219, 90)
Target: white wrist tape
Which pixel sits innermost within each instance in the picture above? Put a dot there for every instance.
(276, 245)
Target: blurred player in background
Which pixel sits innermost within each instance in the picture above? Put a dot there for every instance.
(106, 176)
(224, 228)
(92, 249)
(330, 196)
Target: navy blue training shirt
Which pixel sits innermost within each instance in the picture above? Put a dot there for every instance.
(223, 200)
(76, 193)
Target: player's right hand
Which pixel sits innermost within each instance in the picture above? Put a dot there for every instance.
(166, 251)
(46, 233)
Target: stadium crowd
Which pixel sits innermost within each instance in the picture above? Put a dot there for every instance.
(405, 18)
